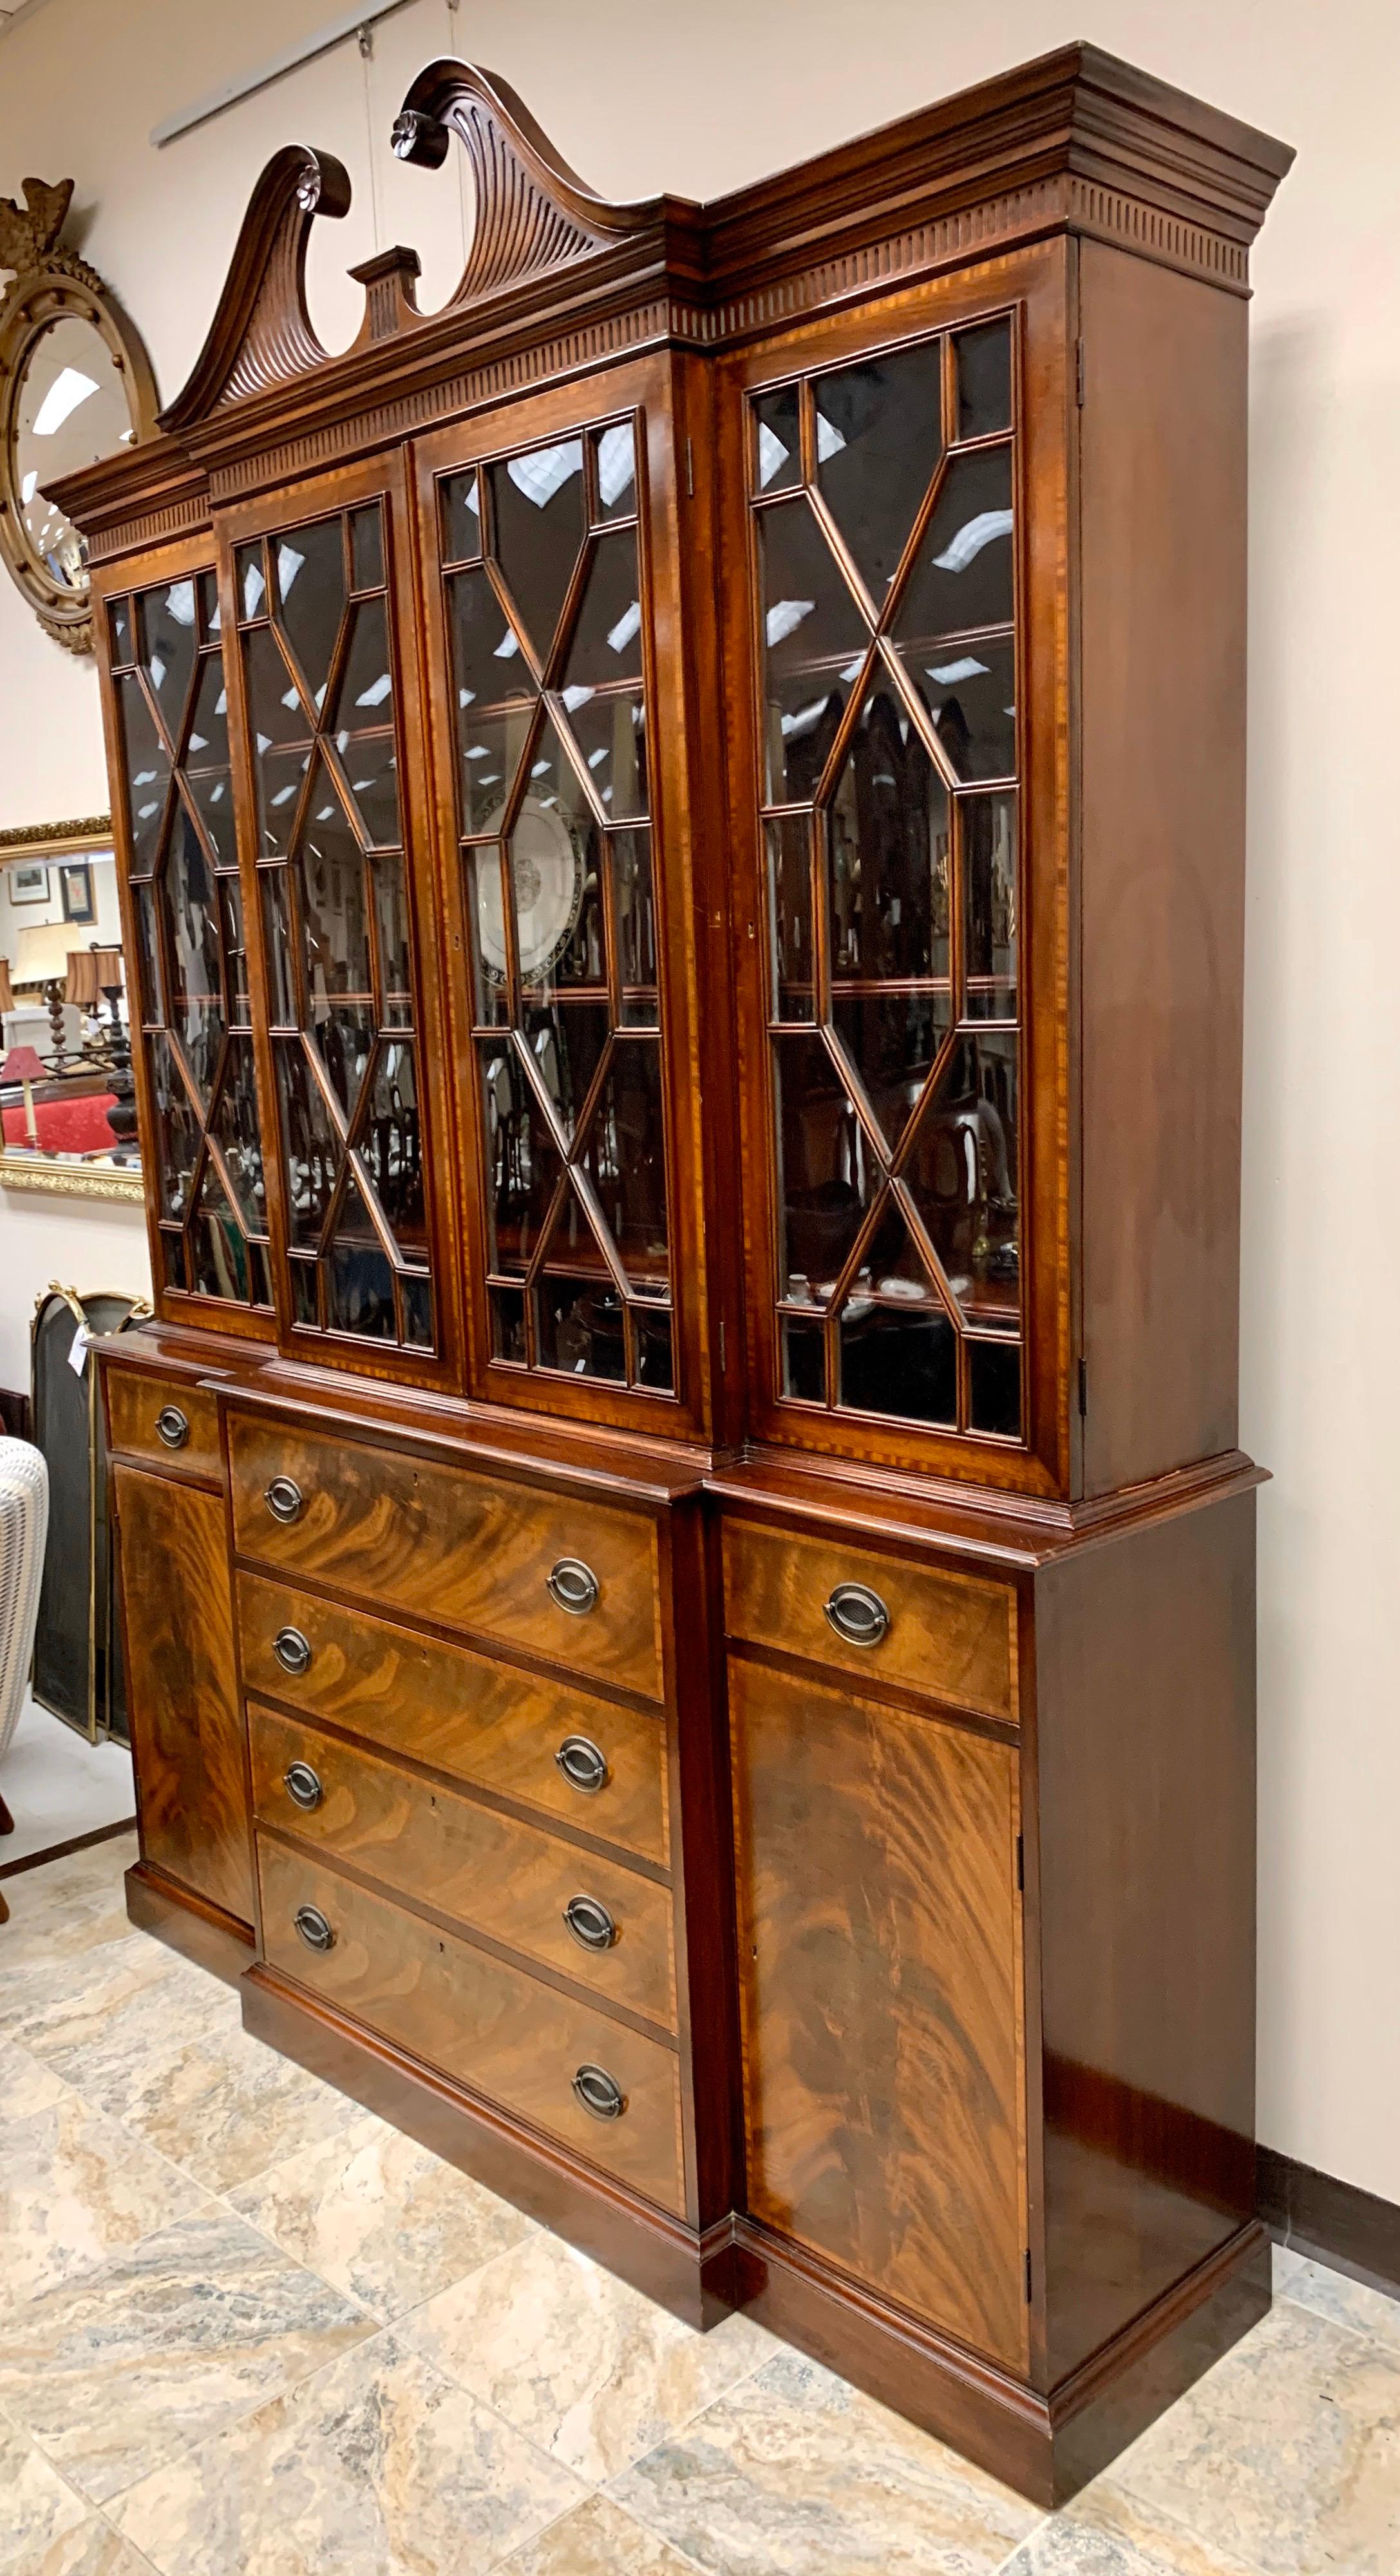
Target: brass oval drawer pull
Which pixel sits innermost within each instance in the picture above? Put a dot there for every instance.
(857, 1614)
(582, 1764)
(590, 1923)
(600, 2093)
(293, 1651)
(303, 1785)
(313, 1927)
(172, 1426)
(284, 1499)
(573, 1585)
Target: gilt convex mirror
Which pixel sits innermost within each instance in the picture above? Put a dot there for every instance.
(75, 385)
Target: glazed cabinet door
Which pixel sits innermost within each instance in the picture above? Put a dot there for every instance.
(549, 533)
(894, 526)
(879, 1960)
(163, 646)
(319, 595)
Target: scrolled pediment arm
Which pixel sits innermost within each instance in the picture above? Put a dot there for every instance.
(261, 334)
(532, 212)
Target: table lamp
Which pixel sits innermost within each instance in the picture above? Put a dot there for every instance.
(24, 1066)
(42, 958)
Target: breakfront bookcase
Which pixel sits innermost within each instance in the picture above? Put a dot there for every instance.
(687, 1573)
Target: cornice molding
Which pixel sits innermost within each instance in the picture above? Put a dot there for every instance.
(558, 282)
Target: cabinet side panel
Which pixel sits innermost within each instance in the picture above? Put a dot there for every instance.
(1145, 1694)
(1162, 733)
(186, 1722)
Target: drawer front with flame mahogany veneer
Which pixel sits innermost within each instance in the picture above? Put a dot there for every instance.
(607, 2093)
(950, 1635)
(574, 1582)
(541, 1743)
(166, 1421)
(589, 1919)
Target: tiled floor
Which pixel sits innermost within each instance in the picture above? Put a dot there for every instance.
(246, 2330)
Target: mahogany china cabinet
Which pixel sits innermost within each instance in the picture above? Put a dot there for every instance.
(687, 1573)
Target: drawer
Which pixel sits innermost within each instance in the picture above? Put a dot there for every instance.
(480, 1721)
(495, 1875)
(952, 1635)
(464, 1550)
(169, 1421)
(480, 2021)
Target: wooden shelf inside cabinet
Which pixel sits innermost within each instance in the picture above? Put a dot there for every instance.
(681, 834)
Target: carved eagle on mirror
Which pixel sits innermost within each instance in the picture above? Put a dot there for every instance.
(25, 236)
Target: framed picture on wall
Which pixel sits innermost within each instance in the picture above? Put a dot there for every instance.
(75, 886)
(28, 885)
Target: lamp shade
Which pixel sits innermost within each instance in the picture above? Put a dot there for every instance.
(7, 998)
(41, 954)
(82, 987)
(111, 974)
(23, 1065)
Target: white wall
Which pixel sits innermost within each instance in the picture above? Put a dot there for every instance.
(639, 97)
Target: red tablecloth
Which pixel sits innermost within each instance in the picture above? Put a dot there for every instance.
(65, 1126)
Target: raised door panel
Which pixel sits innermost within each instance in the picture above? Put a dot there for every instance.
(556, 643)
(879, 1977)
(318, 591)
(895, 528)
(187, 1730)
(460, 1550)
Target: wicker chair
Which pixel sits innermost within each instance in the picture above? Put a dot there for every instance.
(24, 1521)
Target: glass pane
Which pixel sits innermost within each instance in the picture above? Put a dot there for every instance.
(489, 668)
(235, 955)
(260, 1283)
(176, 1267)
(210, 614)
(962, 1174)
(334, 896)
(344, 1035)
(490, 749)
(792, 967)
(615, 465)
(994, 1376)
(308, 567)
(234, 1128)
(889, 851)
(565, 1041)
(358, 1280)
(459, 507)
(367, 547)
(556, 869)
(119, 630)
(147, 770)
(522, 1159)
(892, 1040)
(416, 1298)
(803, 1356)
(579, 1327)
(984, 379)
(537, 505)
(365, 693)
(636, 924)
(625, 1159)
(777, 462)
(507, 1323)
(207, 761)
(827, 1175)
(169, 642)
(814, 643)
(655, 1365)
(218, 1253)
(606, 642)
(177, 1130)
(611, 735)
(371, 766)
(304, 1291)
(972, 699)
(391, 1143)
(277, 938)
(311, 1146)
(899, 1363)
(281, 739)
(962, 577)
(989, 896)
(194, 938)
(250, 581)
(891, 1270)
(879, 439)
(150, 975)
(485, 914)
(391, 907)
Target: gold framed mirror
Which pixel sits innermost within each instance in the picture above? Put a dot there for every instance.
(75, 385)
(67, 1094)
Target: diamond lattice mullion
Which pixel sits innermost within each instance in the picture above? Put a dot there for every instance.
(855, 1091)
(214, 1157)
(600, 1229)
(529, 657)
(900, 1157)
(922, 518)
(559, 1198)
(908, 696)
(568, 614)
(839, 753)
(328, 1092)
(923, 1244)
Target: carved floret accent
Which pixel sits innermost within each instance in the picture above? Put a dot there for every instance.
(261, 334)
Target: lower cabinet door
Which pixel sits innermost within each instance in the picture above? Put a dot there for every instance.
(879, 1978)
(187, 1735)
